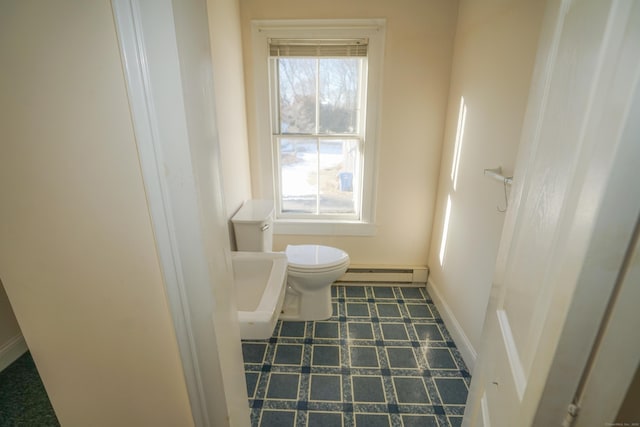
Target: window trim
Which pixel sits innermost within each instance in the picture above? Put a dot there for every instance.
(374, 30)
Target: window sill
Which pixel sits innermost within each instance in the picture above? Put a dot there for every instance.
(333, 228)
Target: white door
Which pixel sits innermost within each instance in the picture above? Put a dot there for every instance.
(575, 203)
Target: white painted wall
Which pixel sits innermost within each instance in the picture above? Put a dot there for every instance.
(77, 251)
(12, 343)
(228, 72)
(418, 52)
(495, 47)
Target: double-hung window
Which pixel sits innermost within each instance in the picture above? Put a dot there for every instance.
(319, 145)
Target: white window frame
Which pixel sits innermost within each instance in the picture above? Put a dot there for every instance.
(374, 31)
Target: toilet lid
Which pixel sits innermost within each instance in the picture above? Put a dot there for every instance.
(314, 256)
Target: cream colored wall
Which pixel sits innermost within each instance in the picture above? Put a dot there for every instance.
(416, 73)
(226, 52)
(495, 47)
(77, 252)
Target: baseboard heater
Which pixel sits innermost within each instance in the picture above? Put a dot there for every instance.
(386, 275)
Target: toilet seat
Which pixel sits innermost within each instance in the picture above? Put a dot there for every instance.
(317, 258)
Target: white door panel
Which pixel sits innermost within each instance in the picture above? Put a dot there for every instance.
(544, 201)
(502, 391)
(516, 370)
(550, 225)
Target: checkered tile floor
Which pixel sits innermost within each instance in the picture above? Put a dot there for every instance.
(384, 359)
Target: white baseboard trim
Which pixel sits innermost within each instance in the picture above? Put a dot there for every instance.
(385, 275)
(11, 350)
(469, 354)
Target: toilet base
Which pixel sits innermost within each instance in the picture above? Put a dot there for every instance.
(314, 305)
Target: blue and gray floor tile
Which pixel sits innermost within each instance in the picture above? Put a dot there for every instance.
(384, 358)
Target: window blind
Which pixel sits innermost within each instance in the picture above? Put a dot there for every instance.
(318, 48)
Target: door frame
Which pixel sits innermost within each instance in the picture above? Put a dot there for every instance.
(208, 342)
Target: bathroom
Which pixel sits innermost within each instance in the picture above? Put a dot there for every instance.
(97, 314)
(435, 54)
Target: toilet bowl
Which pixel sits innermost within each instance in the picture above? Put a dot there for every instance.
(311, 270)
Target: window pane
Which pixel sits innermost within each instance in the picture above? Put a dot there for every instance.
(339, 84)
(299, 175)
(297, 85)
(338, 160)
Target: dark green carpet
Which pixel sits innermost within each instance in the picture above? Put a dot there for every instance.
(23, 399)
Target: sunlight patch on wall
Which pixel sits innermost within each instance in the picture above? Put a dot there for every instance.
(445, 230)
(457, 151)
(462, 116)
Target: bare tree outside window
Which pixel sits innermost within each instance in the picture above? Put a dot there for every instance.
(318, 141)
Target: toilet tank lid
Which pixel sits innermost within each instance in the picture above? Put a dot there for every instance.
(254, 211)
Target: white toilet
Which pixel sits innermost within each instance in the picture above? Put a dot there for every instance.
(312, 268)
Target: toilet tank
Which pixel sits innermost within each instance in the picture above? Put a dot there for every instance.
(253, 226)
